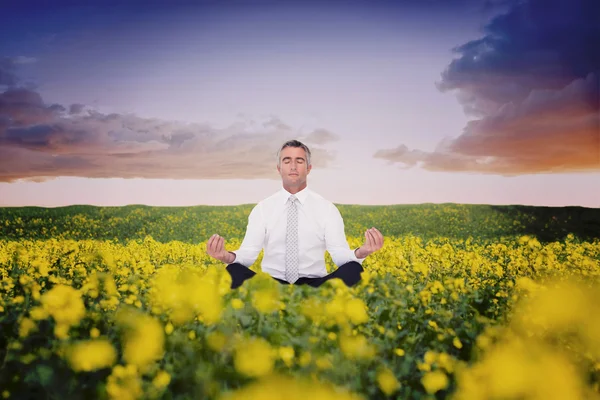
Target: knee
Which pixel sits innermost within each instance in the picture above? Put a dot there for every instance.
(239, 273)
(354, 267)
(234, 267)
(352, 272)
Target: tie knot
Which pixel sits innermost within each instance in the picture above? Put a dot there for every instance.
(292, 199)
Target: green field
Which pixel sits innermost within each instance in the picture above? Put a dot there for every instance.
(197, 224)
(462, 302)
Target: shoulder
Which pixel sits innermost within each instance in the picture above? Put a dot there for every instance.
(317, 198)
(321, 202)
(269, 202)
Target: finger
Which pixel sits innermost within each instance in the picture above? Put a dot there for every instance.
(367, 238)
(378, 237)
(372, 239)
(215, 244)
(221, 243)
(209, 244)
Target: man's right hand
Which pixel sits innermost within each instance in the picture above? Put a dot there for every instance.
(215, 247)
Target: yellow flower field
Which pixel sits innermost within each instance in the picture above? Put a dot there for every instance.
(445, 318)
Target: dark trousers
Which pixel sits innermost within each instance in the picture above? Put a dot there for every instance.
(349, 273)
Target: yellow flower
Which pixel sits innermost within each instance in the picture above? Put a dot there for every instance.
(65, 305)
(399, 352)
(356, 347)
(286, 388)
(26, 326)
(357, 311)
(237, 304)
(254, 357)
(94, 333)
(430, 357)
(323, 362)
(161, 380)
(387, 381)
(124, 383)
(216, 341)
(286, 353)
(445, 361)
(266, 301)
(304, 359)
(143, 337)
(522, 368)
(434, 381)
(91, 355)
(457, 343)
(169, 328)
(184, 292)
(335, 311)
(38, 313)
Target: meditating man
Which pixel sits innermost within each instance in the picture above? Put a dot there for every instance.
(295, 226)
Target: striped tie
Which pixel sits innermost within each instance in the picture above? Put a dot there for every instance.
(291, 242)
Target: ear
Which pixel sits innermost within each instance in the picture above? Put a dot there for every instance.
(308, 169)
(278, 169)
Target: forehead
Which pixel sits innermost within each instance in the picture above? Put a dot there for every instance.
(293, 152)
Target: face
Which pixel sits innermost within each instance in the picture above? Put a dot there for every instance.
(293, 168)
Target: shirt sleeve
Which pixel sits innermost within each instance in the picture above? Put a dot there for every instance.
(253, 239)
(335, 239)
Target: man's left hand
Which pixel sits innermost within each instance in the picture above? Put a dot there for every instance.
(373, 242)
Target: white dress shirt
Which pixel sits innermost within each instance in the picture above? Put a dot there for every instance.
(320, 228)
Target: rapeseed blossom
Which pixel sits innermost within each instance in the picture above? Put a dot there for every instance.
(143, 338)
(287, 388)
(124, 383)
(286, 353)
(356, 310)
(91, 355)
(333, 333)
(254, 357)
(65, 305)
(357, 347)
(387, 381)
(435, 381)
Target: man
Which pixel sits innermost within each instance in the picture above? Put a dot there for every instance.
(295, 226)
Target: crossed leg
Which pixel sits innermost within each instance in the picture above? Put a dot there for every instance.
(349, 273)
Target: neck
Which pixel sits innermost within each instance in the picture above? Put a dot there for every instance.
(295, 189)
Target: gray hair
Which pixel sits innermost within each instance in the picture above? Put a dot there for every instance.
(293, 143)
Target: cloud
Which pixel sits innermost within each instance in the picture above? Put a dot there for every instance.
(321, 136)
(8, 76)
(40, 141)
(8, 70)
(76, 108)
(532, 85)
(23, 60)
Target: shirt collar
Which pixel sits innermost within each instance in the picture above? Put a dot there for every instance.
(301, 195)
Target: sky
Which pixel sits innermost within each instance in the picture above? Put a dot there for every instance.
(401, 102)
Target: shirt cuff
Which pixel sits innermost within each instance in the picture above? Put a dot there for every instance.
(354, 258)
(236, 259)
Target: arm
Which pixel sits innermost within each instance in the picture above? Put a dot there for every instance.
(250, 247)
(254, 239)
(336, 242)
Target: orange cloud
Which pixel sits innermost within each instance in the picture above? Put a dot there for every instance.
(39, 142)
(550, 131)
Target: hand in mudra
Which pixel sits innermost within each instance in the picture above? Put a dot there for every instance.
(373, 242)
(215, 247)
